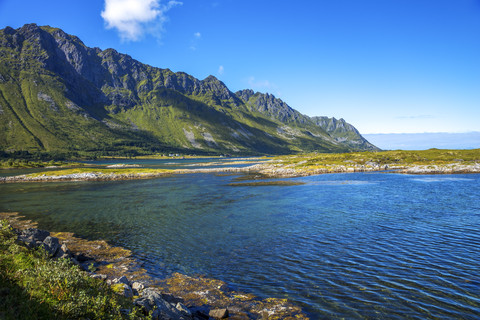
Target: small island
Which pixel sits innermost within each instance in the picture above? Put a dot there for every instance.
(433, 161)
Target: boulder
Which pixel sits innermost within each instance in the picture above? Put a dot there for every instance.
(123, 289)
(99, 276)
(183, 309)
(170, 298)
(63, 252)
(153, 299)
(82, 257)
(218, 313)
(122, 279)
(51, 245)
(199, 315)
(138, 286)
(33, 237)
(166, 310)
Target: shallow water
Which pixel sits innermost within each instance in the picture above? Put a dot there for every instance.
(355, 246)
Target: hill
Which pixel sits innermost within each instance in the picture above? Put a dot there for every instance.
(58, 95)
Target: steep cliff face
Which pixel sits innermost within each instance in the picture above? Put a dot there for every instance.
(56, 94)
(339, 130)
(344, 132)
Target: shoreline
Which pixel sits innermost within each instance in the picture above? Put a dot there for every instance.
(269, 170)
(432, 161)
(198, 296)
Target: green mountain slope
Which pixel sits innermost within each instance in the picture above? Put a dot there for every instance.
(58, 95)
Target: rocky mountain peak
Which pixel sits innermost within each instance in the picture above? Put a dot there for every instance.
(245, 94)
(113, 93)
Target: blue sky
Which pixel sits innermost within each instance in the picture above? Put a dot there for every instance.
(386, 66)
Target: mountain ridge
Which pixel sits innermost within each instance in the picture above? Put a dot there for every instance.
(57, 94)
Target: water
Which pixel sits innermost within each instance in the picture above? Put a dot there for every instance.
(354, 246)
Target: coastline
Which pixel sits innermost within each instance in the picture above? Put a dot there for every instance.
(199, 297)
(269, 170)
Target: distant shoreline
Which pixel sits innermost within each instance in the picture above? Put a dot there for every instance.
(431, 161)
(264, 171)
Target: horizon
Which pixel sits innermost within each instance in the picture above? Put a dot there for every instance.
(384, 68)
(425, 140)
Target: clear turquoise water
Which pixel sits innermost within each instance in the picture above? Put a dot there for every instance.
(354, 246)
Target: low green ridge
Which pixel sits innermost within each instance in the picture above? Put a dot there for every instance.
(101, 171)
(397, 157)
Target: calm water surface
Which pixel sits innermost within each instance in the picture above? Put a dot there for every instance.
(355, 246)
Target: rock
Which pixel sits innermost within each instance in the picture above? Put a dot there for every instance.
(63, 252)
(51, 245)
(99, 276)
(82, 257)
(123, 289)
(170, 298)
(153, 298)
(122, 279)
(138, 286)
(127, 291)
(166, 311)
(144, 303)
(33, 237)
(181, 307)
(218, 313)
(74, 261)
(148, 299)
(199, 315)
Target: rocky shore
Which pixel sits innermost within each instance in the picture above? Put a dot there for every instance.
(104, 175)
(266, 170)
(179, 297)
(451, 168)
(282, 170)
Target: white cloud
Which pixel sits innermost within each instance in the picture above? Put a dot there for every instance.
(197, 35)
(221, 70)
(134, 18)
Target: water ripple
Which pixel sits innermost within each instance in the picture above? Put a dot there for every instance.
(353, 246)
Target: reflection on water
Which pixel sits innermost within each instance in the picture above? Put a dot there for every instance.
(355, 246)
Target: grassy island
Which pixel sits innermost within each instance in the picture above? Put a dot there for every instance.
(433, 161)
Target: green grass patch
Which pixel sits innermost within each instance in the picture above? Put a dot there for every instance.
(396, 157)
(32, 286)
(102, 171)
(23, 163)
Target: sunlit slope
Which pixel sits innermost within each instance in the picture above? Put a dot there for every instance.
(56, 94)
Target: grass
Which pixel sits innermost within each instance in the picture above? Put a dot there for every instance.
(397, 157)
(32, 286)
(102, 171)
(23, 163)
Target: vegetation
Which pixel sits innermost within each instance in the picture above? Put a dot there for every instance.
(22, 163)
(397, 157)
(103, 103)
(32, 286)
(102, 171)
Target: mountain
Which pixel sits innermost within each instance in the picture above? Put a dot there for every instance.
(58, 95)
